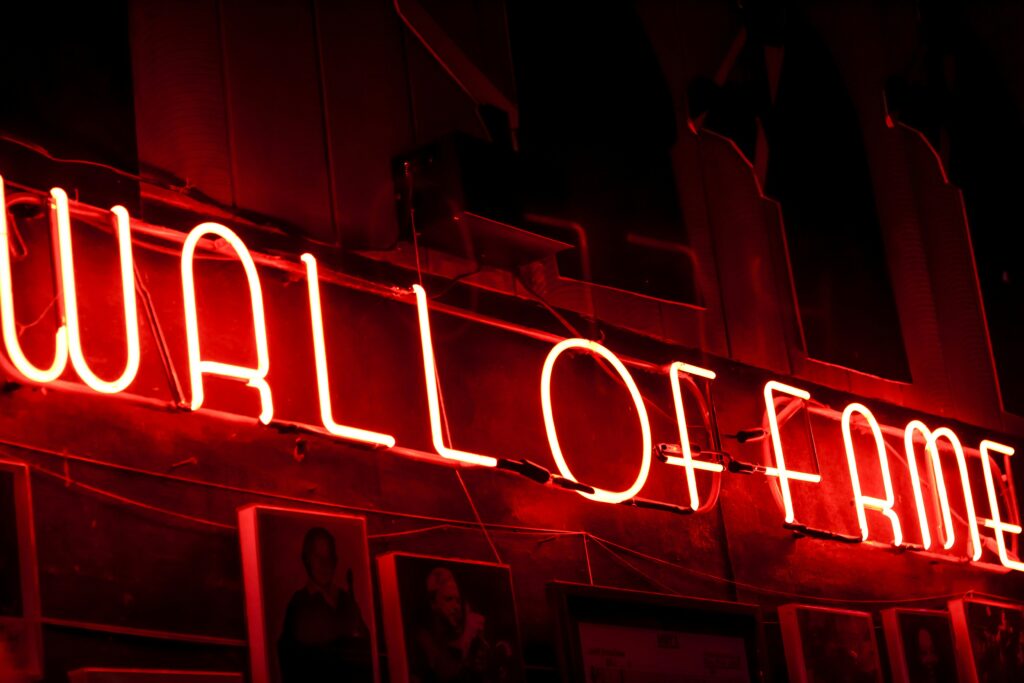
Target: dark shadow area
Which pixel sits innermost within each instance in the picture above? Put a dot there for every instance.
(786, 107)
(956, 92)
(597, 126)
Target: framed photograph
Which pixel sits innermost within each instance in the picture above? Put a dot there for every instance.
(98, 675)
(308, 596)
(834, 645)
(610, 635)
(920, 644)
(21, 637)
(989, 640)
(449, 620)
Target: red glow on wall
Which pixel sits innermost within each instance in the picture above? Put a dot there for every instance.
(780, 400)
(689, 464)
(69, 297)
(947, 532)
(601, 495)
(780, 470)
(323, 382)
(996, 523)
(862, 502)
(437, 435)
(12, 343)
(253, 377)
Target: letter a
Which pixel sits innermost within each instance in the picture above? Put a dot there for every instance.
(253, 377)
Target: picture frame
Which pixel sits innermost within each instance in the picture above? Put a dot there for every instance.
(613, 634)
(446, 617)
(828, 644)
(921, 645)
(989, 636)
(106, 675)
(308, 595)
(21, 636)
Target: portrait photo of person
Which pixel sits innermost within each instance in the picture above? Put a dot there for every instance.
(920, 645)
(834, 645)
(308, 596)
(449, 621)
(990, 640)
(20, 633)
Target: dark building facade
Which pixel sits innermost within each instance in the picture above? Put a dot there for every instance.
(714, 302)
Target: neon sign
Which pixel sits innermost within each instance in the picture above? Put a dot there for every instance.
(22, 364)
(781, 402)
(931, 441)
(884, 505)
(996, 522)
(434, 392)
(69, 297)
(638, 402)
(253, 377)
(687, 461)
(780, 469)
(323, 382)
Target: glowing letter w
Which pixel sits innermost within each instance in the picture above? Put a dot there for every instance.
(21, 363)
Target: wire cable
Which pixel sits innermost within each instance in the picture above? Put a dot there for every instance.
(610, 546)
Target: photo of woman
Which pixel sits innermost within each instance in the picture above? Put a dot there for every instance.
(308, 595)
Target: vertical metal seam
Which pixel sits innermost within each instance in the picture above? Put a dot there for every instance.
(326, 127)
(228, 127)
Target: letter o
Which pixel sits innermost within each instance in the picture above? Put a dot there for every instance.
(549, 418)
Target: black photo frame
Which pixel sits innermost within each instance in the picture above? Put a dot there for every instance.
(298, 629)
(828, 644)
(989, 639)
(448, 618)
(21, 634)
(611, 634)
(921, 645)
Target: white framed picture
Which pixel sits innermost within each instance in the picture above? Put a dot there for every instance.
(309, 596)
(448, 619)
(989, 639)
(920, 645)
(21, 637)
(826, 644)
